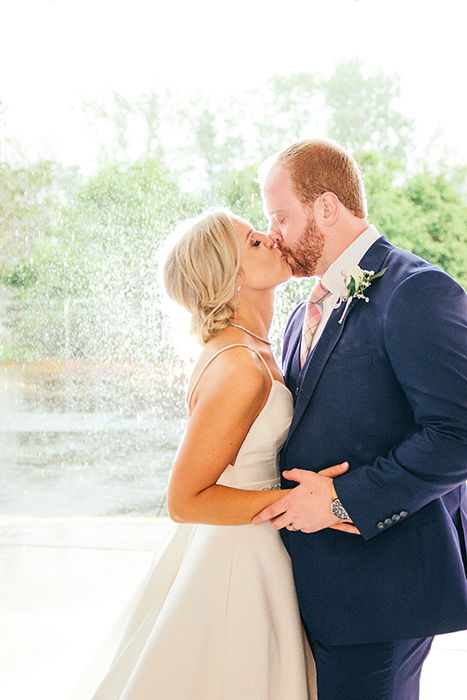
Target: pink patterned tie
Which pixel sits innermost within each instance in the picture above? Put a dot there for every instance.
(312, 319)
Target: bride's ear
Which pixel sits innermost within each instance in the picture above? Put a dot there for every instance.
(239, 282)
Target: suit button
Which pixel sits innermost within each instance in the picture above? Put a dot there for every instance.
(396, 517)
(380, 525)
(297, 390)
(388, 522)
(403, 514)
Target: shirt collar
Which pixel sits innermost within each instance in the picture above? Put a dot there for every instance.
(333, 278)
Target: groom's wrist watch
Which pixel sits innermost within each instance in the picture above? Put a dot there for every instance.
(337, 508)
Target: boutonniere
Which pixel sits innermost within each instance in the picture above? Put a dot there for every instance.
(356, 281)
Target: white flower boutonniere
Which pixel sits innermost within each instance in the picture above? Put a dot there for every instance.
(356, 281)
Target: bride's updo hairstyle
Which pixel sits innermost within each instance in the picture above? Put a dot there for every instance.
(200, 270)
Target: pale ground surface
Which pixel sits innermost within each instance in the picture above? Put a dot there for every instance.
(63, 583)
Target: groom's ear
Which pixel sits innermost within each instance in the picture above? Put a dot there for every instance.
(327, 206)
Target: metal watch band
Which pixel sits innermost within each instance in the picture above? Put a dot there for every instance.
(338, 510)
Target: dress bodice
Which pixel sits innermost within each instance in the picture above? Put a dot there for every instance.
(256, 463)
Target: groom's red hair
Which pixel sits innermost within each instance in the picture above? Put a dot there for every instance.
(322, 166)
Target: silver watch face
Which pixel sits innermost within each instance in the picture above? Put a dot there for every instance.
(338, 510)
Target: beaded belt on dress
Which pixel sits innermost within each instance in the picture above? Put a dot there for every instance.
(263, 485)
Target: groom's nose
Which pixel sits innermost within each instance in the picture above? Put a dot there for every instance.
(274, 234)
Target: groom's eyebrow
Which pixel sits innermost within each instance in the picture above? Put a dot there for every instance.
(273, 213)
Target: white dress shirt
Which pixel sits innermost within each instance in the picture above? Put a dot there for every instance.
(333, 278)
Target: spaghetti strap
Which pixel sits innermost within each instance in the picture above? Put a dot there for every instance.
(227, 347)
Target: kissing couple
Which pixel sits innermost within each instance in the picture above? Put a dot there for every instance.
(320, 508)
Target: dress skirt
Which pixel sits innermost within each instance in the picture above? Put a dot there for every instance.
(216, 619)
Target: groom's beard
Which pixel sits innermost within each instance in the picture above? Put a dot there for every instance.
(304, 257)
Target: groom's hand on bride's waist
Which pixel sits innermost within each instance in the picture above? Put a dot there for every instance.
(307, 507)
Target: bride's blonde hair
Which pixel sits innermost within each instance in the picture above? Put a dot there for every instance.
(200, 270)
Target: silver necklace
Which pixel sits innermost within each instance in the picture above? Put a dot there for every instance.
(264, 340)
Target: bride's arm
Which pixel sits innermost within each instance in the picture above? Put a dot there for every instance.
(231, 393)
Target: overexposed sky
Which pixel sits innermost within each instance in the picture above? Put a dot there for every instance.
(54, 54)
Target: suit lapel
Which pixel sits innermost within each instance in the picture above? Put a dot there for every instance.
(316, 363)
(314, 366)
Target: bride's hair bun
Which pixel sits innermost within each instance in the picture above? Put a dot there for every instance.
(201, 269)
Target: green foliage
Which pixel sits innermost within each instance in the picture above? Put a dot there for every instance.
(124, 203)
(28, 201)
(362, 111)
(89, 287)
(425, 213)
(440, 221)
(21, 275)
(240, 192)
(80, 257)
(285, 111)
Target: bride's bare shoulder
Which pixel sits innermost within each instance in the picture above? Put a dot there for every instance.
(232, 370)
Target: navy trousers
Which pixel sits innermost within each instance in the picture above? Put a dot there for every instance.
(384, 671)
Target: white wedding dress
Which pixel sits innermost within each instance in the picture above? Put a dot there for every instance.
(217, 618)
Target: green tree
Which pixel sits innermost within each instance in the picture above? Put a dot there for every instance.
(425, 213)
(94, 289)
(239, 190)
(285, 111)
(116, 122)
(362, 111)
(82, 255)
(207, 137)
(440, 220)
(29, 202)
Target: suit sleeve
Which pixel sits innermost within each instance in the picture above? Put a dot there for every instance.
(426, 340)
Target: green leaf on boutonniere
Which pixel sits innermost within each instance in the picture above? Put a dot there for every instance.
(378, 274)
(351, 287)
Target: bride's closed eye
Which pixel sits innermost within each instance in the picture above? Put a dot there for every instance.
(254, 243)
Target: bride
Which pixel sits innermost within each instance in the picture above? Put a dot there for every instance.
(217, 618)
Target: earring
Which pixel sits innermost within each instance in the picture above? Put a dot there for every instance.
(239, 289)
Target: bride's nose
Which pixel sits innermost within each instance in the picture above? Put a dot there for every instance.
(265, 239)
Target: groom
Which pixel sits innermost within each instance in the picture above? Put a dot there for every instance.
(378, 382)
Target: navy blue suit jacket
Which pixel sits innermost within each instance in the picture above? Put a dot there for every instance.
(384, 390)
